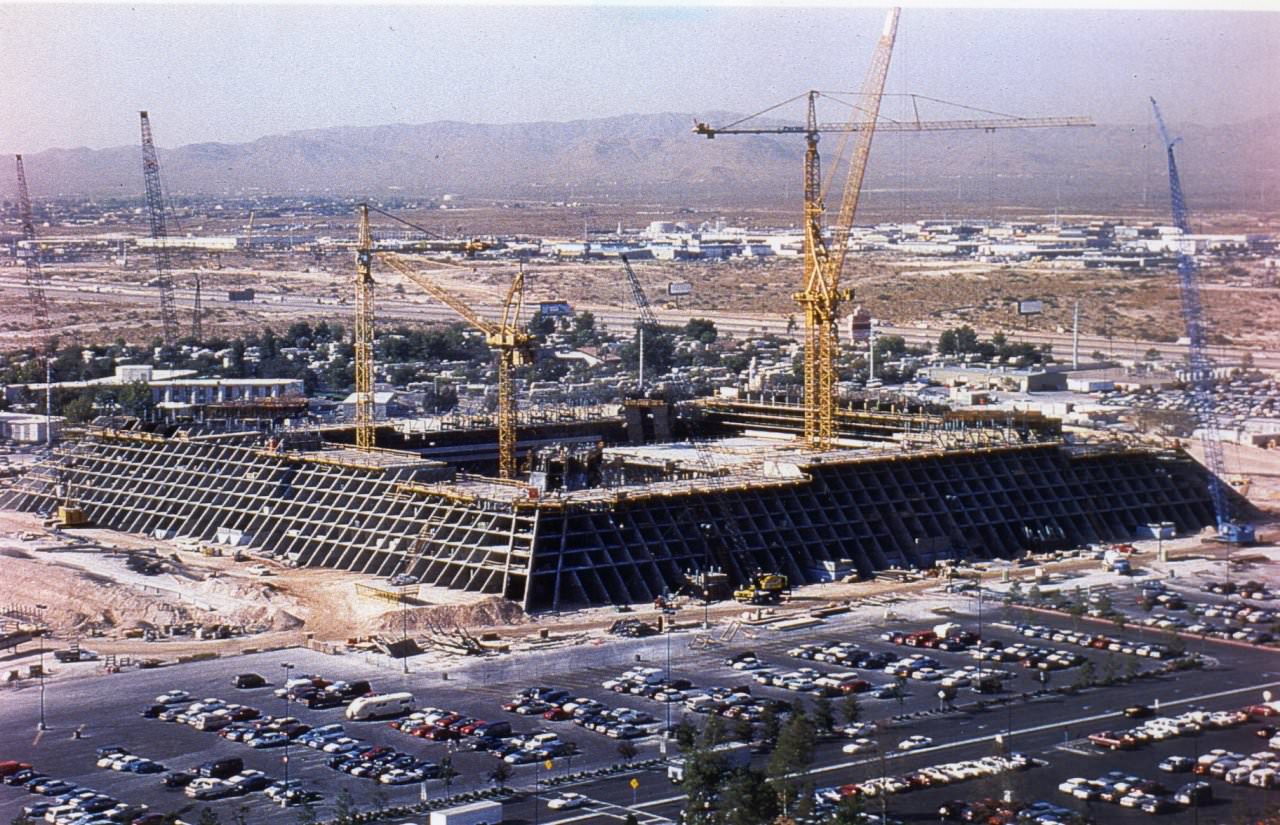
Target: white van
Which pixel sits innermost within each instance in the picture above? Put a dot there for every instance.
(541, 740)
(384, 706)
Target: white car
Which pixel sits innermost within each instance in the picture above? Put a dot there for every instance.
(173, 697)
(342, 745)
(913, 742)
(860, 746)
(566, 801)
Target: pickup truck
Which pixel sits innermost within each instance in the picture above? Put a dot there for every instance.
(80, 655)
(1110, 740)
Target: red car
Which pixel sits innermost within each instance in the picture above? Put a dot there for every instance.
(470, 727)
(557, 715)
(448, 721)
(855, 686)
(1262, 710)
(9, 767)
(442, 734)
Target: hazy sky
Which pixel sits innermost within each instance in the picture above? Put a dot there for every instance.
(73, 75)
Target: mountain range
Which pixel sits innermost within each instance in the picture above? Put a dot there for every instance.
(656, 158)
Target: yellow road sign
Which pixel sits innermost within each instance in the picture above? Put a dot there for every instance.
(548, 764)
(634, 783)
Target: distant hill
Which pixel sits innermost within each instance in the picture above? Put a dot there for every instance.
(656, 158)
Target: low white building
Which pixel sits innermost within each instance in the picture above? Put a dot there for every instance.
(27, 428)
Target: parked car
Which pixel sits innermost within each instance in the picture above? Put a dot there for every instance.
(245, 681)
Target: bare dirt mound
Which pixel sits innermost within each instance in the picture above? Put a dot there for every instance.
(491, 612)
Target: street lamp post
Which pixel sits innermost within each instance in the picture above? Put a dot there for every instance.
(668, 702)
(43, 627)
(288, 696)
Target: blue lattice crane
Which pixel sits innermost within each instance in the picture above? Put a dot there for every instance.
(1200, 369)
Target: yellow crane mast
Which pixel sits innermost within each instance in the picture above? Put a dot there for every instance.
(821, 295)
(512, 343)
(365, 432)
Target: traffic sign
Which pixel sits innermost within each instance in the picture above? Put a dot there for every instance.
(548, 764)
(634, 783)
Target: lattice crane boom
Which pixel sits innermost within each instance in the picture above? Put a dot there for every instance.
(159, 232)
(1200, 368)
(986, 124)
(647, 318)
(42, 333)
(513, 344)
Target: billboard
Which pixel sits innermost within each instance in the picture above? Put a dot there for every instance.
(1030, 307)
(555, 309)
(679, 288)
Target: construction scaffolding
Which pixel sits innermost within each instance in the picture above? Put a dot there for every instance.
(783, 509)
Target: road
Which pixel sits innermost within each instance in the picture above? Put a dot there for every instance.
(422, 308)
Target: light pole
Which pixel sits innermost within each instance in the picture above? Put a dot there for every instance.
(288, 696)
(43, 627)
(667, 617)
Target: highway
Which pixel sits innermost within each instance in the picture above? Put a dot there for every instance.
(422, 308)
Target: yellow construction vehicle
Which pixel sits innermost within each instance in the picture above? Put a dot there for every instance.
(71, 516)
(764, 588)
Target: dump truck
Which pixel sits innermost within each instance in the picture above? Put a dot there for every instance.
(764, 588)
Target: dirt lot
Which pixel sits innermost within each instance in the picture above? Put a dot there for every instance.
(903, 291)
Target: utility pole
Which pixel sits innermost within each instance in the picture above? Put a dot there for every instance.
(40, 726)
(284, 797)
(1075, 338)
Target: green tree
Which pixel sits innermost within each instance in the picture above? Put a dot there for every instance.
(208, 817)
(824, 717)
(500, 774)
(704, 773)
(849, 811)
(754, 802)
(713, 733)
(793, 755)
(344, 808)
(135, 399)
(79, 410)
(770, 726)
(1110, 671)
(743, 729)
(627, 750)
(299, 334)
(850, 710)
(701, 329)
(685, 732)
(307, 814)
(1087, 675)
(584, 328)
(22, 819)
(1131, 668)
(447, 772)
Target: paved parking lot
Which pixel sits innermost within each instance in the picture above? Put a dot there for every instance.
(1051, 729)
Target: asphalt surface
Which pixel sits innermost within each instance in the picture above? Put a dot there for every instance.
(1052, 729)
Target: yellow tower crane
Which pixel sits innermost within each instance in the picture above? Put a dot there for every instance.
(821, 295)
(365, 433)
(513, 344)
